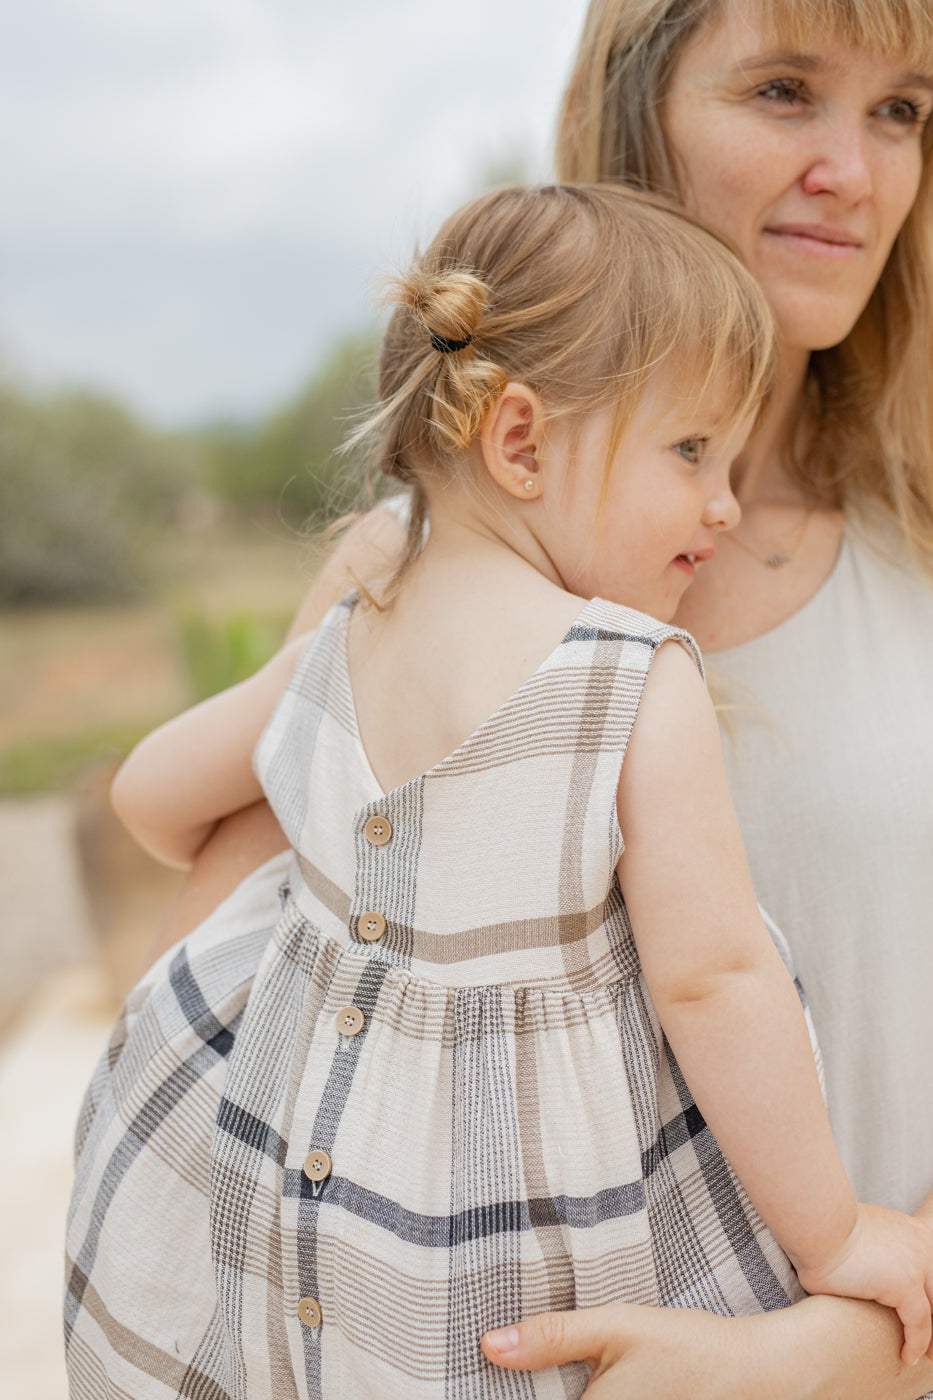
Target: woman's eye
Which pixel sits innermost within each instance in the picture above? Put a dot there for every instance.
(784, 90)
(903, 111)
(691, 449)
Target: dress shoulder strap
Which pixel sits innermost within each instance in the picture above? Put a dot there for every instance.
(601, 619)
(610, 650)
(316, 705)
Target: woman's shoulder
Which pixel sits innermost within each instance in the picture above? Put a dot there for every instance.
(877, 552)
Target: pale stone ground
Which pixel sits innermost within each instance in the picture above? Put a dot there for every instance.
(57, 1007)
(44, 919)
(45, 1064)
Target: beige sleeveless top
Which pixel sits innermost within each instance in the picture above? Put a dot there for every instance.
(830, 762)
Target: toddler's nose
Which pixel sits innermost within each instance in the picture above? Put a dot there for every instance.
(723, 511)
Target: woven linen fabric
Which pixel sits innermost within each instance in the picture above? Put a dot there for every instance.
(506, 1129)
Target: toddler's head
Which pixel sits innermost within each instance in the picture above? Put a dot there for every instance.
(586, 294)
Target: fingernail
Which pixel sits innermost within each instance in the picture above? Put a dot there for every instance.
(503, 1339)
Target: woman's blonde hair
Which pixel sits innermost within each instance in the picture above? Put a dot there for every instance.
(872, 395)
(579, 291)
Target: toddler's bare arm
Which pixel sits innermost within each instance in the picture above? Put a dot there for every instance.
(732, 1015)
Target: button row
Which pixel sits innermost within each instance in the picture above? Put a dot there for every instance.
(317, 1167)
(318, 1164)
(372, 925)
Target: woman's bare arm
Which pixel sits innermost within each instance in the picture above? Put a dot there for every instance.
(821, 1349)
(247, 839)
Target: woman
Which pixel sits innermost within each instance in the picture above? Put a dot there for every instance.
(799, 132)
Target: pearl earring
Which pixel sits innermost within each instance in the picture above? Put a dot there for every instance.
(529, 485)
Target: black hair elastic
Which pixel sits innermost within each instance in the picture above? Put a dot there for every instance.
(445, 345)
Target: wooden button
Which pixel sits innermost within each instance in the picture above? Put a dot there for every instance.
(309, 1310)
(378, 830)
(317, 1166)
(370, 926)
(350, 1020)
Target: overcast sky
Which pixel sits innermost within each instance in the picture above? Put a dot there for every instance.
(199, 195)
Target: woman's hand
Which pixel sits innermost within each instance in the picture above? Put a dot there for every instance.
(642, 1353)
(821, 1349)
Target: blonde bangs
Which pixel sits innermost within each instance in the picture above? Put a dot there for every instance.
(697, 318)
(897, 29)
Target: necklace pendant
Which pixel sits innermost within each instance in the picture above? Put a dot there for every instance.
(777, 561)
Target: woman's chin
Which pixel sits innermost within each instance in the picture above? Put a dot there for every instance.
(818, 327)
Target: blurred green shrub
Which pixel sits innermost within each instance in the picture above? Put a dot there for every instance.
(220, 653)
(84, 488)
(51, 763)
(289, 460)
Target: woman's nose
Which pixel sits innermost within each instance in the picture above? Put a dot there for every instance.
(841, 165)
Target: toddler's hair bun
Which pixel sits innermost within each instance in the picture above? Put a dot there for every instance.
(438, 339)
(448, 305)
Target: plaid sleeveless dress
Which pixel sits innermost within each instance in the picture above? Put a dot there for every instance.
(325, 1152)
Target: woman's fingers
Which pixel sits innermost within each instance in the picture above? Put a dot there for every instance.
(929, 1289)
(550, 1339)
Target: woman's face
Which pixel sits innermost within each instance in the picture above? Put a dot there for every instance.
(808, 163)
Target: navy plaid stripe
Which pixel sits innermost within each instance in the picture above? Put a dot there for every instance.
(475, 1222)
(191, 1000)
(238, 1123)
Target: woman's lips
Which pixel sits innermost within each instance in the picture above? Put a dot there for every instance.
(819, 240)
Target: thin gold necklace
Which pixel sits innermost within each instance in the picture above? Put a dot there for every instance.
(779, 558)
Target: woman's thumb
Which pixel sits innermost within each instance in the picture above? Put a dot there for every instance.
(550, 1339)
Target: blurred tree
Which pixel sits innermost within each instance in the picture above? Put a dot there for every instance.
(289, 461)
(83, 488)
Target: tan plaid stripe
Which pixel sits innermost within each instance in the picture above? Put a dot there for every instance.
(508, 1131)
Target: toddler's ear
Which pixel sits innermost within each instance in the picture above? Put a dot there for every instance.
(511, 440)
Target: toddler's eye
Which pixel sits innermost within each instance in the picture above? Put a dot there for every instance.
(691, 449)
